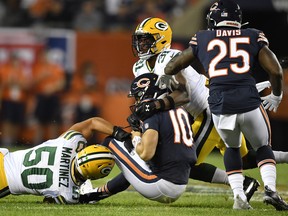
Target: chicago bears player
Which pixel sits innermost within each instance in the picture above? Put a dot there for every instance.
(228, 54)
(56, 168)
(158, 160)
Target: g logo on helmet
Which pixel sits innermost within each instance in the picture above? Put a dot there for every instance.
(161, 26)
(105, 171)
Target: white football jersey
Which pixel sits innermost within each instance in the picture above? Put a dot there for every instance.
(195, 82)
(46, 169)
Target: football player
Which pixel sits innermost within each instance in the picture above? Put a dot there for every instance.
(157, 162)
(151, 43)
(56, 168)
(228, 54)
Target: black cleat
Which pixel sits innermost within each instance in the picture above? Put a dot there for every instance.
(250, 185)
(274, 199)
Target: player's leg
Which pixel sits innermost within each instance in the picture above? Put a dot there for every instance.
(4, 189)
(140, 176)
(230, 133)
(256, 128)
(205, 140)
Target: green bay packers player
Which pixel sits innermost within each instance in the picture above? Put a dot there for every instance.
(56, 168)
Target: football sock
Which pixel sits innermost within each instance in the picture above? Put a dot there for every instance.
(249, 160)
(208, 173)
(236, 184)
(281, 157)
(116, 185)
(220, 177)
(268, 174)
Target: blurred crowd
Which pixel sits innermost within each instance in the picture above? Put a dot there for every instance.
(87, 15)
(38, 103)
(43, 99)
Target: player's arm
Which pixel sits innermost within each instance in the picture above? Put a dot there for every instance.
(270, 64)
(145, 145)
(97, 124)
(179, 62)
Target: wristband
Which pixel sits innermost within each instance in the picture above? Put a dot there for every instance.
(171, 101)
(162, 104)
(136, 140)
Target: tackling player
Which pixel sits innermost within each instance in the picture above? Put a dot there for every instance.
(159, 170)
(228, 54)
(56, 168)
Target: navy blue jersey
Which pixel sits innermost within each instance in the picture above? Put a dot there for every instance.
(229, 57)
(175, 152)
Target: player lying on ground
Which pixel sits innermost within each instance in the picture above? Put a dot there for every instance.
(56, 168)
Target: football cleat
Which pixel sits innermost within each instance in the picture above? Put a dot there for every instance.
(272, 198)
(250, 185)
(240, 204)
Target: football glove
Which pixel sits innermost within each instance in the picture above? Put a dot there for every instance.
(145, 109)
(128, 145)
(271, 102)
(134, 122)
(120, 134)
(166, 81)
(262, 85)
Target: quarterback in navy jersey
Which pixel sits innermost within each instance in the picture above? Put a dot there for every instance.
(228, 55)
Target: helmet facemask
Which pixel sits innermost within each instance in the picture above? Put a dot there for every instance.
(144, 45)
(144, 88)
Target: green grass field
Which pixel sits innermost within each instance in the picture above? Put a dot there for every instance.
(200, 199)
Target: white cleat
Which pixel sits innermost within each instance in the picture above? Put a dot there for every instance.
(241, 204)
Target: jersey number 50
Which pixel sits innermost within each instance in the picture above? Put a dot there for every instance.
(44, 176)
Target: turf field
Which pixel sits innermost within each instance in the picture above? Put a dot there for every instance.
(200, 199)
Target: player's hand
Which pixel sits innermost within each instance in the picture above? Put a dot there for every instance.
(120, 134)
(145, 109)
(134, 122)
(166, 81)
(262, 85)
(128, 145)
(271, 102)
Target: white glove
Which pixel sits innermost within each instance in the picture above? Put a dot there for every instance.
(166, 81)
(262, 85)
(86, 187)
(271, 101)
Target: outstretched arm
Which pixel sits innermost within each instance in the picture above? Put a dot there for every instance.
(179, 62)
(97, 124)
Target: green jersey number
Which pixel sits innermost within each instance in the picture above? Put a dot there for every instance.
(31, 173)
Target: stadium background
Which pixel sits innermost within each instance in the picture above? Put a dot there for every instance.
(111, 51)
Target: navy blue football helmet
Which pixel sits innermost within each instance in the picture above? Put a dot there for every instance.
(144, 87)
(224, 13)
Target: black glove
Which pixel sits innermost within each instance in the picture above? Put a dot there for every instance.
(145, 109)
(134, 122)
(120, 134)
(128, 145)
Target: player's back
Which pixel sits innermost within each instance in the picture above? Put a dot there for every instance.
(229, 56)
(175, 151)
